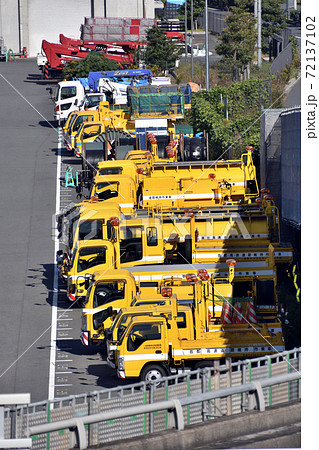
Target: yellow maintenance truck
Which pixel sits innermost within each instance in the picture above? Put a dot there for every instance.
(178, 185)
(113, 116)
(120, 188)
(134, 244)
(152, 342)
(88, 132)
(85, 221)
(115, 289)
(204, 235)
(207, 236)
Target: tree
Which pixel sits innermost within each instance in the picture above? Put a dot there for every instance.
(231, 115)
(161, 50)
(198, 8)
(94, 62)
(273, 21)
(238, 39)
(221, 4)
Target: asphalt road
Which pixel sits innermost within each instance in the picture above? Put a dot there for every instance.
(30, 153)
(31, 359)
(27, 202)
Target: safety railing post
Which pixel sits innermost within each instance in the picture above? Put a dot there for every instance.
(13, 427)
(206, 404)
(228, 384)
(216, 385)
(152, 387)
(90, 425)
(244, 398)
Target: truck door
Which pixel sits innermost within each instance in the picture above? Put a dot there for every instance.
(131, 246)
(66, 100)
(146, 342)
(153, 245)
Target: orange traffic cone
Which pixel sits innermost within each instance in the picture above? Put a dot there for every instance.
(250, 312)
(238, 313)
(226, 313)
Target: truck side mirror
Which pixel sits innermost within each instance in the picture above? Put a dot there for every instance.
(87, 283)
(75, 102)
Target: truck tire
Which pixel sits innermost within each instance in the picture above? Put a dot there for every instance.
(153, 372)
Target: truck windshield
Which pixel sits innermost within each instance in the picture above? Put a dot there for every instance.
(111, 171)
(81, 119)
(90, 131)
(107, 292)
(106, 190)
(73, 117)
(68, 92)
(90, 257)
(91, 229)
(122, 326)
(93, 101)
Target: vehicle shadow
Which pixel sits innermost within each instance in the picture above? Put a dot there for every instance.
(48, 124)
(38, 79)
(107, 377)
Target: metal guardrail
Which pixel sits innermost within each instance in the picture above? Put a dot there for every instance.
(6, 400)
(77, 424)
(181, 386)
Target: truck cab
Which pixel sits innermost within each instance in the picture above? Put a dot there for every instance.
(117, 289)
(68, 97)
(87, 132)
(119, 167)
(168, 339)
(116, 189)
(74, 126)
(86, 259)
(130, 242)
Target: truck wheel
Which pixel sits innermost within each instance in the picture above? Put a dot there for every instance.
(152, 373)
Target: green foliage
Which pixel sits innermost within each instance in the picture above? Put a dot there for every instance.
(198, 8)
(161, 50)
(295, 17)
(221, 4)
(238, 40)
(231, 114)
(273, 17)
(94, 62)
(273, 20)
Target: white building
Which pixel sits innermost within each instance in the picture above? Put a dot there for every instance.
(25, 23)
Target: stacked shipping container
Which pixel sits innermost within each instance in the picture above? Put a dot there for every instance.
(115, 29)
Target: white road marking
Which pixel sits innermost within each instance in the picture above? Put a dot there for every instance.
(55, 285)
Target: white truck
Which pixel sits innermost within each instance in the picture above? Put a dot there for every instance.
(73, 96)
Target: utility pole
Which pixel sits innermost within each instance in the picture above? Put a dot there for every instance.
(192, 46)
(186, 48)
(259, 60)
(206, 46)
